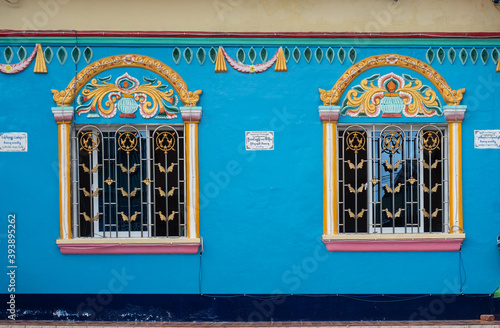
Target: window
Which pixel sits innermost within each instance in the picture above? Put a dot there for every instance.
(127, 186)
(393, 179)
(392, 174)
(128, 181)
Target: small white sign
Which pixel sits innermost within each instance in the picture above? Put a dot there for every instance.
(14, 141)
(259, 140)
(486, 138)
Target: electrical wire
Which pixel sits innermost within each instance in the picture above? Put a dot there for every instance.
(461, 268)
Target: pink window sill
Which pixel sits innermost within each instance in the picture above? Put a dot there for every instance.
(398, 243)
(129, 246)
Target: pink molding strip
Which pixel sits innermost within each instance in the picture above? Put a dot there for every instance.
(63, 114)
(394, 245)
(203, 34)
(329, 113)
(121, 248)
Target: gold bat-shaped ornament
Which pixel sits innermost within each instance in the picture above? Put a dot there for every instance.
(132, 194)
(389, 189)
(171, 216)
(353, 167)
(88, 218)
(396, 215)
(131, 170)
(170, 168)
(171, 192)
(434, 189)
(360, 213)
(132, 218)
(162, 217)
(433, 215)
(86, 193)
(388, 165)
(87, 170)
(161, 168)
(434, 165)
(360, 189)
(162, 193)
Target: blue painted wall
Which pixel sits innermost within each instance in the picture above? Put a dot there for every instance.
(261, 212)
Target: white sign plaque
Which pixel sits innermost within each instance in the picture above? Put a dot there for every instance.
(259, 140)
(14, 141)
(486, 138)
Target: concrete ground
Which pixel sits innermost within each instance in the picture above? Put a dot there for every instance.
(309, 324)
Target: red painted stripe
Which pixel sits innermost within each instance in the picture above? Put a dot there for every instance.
(314, 35)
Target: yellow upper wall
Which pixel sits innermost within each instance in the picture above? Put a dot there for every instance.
(368, 16)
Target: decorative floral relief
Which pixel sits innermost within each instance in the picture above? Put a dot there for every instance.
(102, 99)
(391, 95)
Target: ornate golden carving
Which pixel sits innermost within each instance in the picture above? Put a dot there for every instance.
(127, 141)
(165, 141)
(430, 140)
(332, 97)
(147, 181)
(374, 181)
(356, 141)
(412, 180)
(65, 97)
(392, 142)
(171, 167)
(89, 141)
(109, 181)
(171, 192)
(162, 193)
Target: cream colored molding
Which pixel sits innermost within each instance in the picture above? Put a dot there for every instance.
(153, 241)
(395, 236)
(254, 16)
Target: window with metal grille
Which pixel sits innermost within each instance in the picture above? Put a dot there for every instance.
(128, 181)
(393, 179)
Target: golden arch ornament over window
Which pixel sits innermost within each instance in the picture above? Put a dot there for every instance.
(391, 95)
(450, 96)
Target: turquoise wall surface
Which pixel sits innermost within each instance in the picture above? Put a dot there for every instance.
(261, 212)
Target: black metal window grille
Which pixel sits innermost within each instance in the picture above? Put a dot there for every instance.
(128, 181)
(393, 179)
